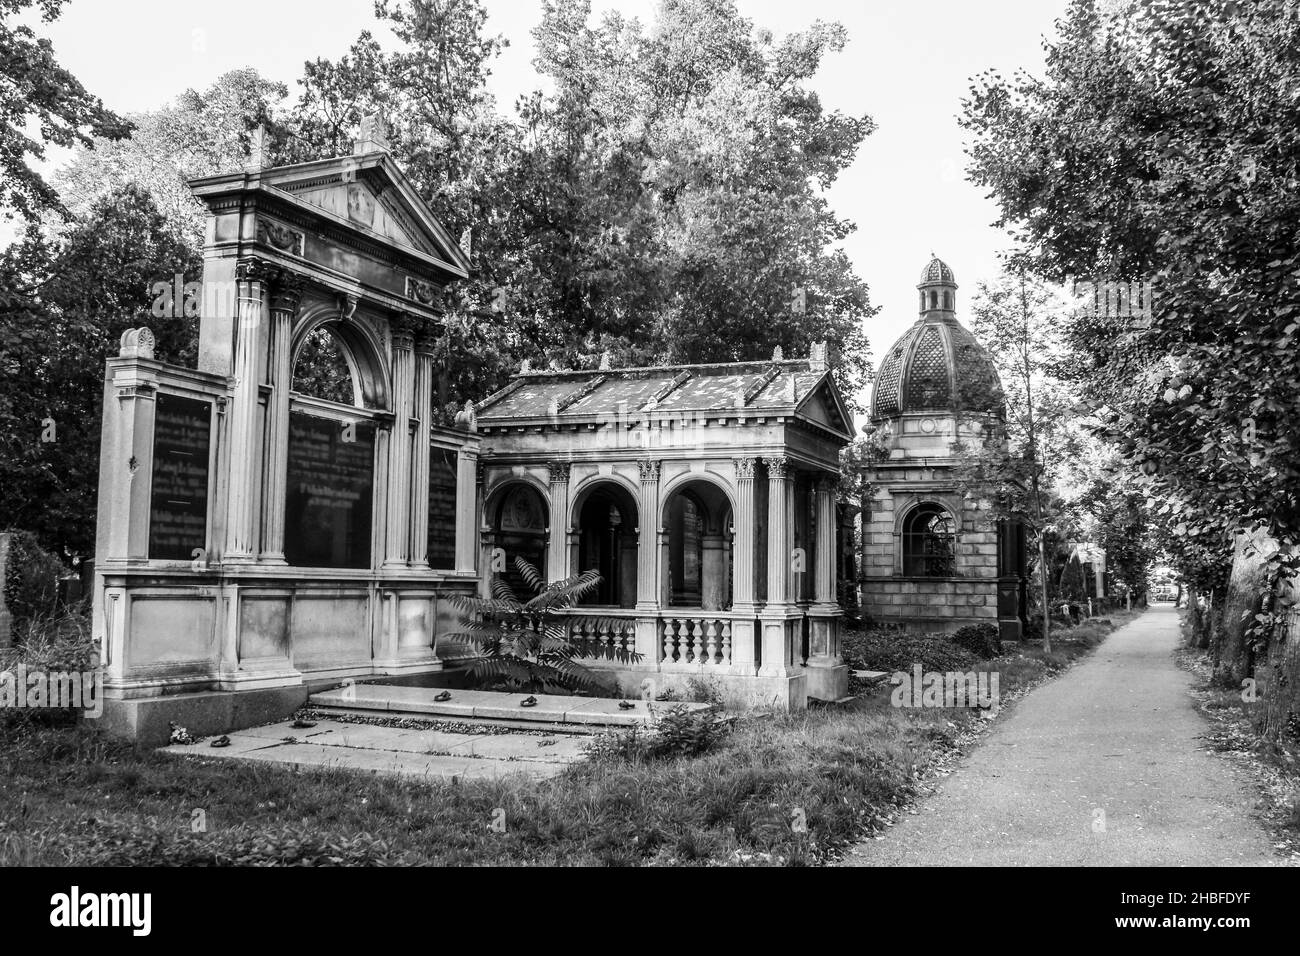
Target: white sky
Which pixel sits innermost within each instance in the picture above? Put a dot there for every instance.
(907, 64)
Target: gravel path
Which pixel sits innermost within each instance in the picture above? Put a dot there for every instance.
(1101, 766)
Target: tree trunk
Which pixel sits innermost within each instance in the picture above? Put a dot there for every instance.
(1278, 674)
(1193, 616)
(1207, 623)
(1244, 599)
(1047, 608)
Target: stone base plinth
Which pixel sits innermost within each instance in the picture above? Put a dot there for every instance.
(827, 681)
(147, 720)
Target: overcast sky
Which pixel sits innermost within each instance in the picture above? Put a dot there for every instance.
(907, 65)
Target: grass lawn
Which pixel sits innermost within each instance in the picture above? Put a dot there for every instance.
(778, 789)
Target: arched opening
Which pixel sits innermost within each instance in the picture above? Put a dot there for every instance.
(518, 523)
(929, 542)
(323, 368)
(607, 539)
(934, 299)
(331, 451)
(698, 565)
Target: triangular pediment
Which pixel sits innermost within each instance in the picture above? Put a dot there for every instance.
(370, 194)
(358, 203)
(824, 406)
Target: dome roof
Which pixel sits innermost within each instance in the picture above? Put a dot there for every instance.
(937, 270)
(937, 365)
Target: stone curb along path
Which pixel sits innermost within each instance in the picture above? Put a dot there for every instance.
(1102, 766)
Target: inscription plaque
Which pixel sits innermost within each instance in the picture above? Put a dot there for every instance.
(329, 492)
(178, 508)
(442, 508)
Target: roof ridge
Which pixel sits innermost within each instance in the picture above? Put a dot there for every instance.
(750, 365)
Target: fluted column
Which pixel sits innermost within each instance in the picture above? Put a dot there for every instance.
(778, 531)
(425, 349)
(647, 549)
(557, 554)
(743, 550)
(245, 460)
(397, 524)
(285, 294)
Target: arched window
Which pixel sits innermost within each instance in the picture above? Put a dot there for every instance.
(686, 550)
(947, 301)
(606, 526)
(322, 369)
(929, 543)
(934, 299)
(519, 531)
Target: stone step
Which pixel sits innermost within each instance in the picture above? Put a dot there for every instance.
(871, 677)
(551, 709)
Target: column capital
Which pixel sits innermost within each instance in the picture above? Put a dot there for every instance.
(255, 270)
(286, 291)
(404, 328)
(778, 466)
(744, 468)
(649, 468)
(559, 472)
(427, 341)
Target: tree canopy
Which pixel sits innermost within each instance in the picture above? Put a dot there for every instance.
(1160, 147)
(42, 104)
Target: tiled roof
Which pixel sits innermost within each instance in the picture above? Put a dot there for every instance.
(937, 364)
(936, 270)
(774, 386)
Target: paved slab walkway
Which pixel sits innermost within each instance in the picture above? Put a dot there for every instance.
(419, 753)
(495, 705)
(1101, 766)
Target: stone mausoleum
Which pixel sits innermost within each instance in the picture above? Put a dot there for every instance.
(933, 558)
(287, 515)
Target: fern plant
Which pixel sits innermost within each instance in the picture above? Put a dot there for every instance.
(526, 645)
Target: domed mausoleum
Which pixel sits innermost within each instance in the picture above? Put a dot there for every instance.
(934, 559)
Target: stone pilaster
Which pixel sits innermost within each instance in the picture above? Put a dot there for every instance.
(469, 511)
(397, 530)
(242, 538)
(744, 627)
(425, 349)
(285, 294)
(827, 676)
(557, 553)
(824, 536)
